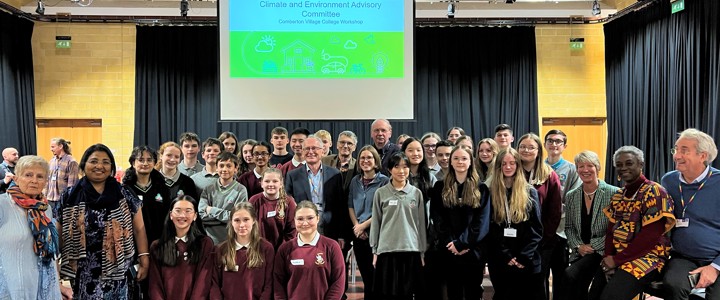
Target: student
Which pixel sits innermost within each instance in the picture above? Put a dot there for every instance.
(442, 151)
(310, 266)
(190, 143)
(297, 137)
(460, 212)
(219, 198)
(275, 209)
(326, 138)
(397, 234)
(454, 133)
(212, 147)
(487, 150)
(178, 183)
(504, 136)
(515, 232)
(247, 162)
(419, 176)
(251, 180)
(465, 142)
(400, 139)
(429, 142)
(244, 260)
(360, 201)
(181, 262)
(230, 142)
(279, 140)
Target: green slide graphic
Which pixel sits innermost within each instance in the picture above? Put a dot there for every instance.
(316, 54)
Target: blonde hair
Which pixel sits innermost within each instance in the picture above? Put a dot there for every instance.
(485, 171)
(282, 195)
(158, 165)
(227, 248)
(519, 201)
(471, 193)
(324, 134)
(541, 170)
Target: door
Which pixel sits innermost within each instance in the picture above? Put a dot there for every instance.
(582, 134)
(79, 133)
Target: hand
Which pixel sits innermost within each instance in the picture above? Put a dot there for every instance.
(143, 268)
(363, 236)
(207, 209)
(708, 275)
(67, 292)
(374, 259)
(451, 247)
(358, 230)
(585, 250)
(513, 262)
(608, 263)
(422, 260)
(9, 177)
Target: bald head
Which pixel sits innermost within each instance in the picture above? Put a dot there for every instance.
(10, 155)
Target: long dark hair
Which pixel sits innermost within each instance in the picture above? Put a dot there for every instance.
(166, 251)
(137, 153)
(98, 148)
(422, 182)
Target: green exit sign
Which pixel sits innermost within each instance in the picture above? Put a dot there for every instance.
(577, 45)
(678, 6)
(63, 44)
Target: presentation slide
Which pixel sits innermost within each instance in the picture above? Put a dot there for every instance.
(316, 59)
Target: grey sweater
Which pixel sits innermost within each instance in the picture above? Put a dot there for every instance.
(222, 200)
(398, 222)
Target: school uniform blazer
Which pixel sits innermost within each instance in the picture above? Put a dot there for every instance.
(337, 220)
(574, 206)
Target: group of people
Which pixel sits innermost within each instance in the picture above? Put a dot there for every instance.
(423, 218)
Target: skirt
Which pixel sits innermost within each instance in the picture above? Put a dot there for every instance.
(398, 274)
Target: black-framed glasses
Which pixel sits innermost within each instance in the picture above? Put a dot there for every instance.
(558, 142)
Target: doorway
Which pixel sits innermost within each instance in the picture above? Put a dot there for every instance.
(79, 133)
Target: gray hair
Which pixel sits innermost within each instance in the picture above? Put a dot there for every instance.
(316, 138)
(349, 134)
(381, 120)
(631, 150)
(29, 161)
(588, 156)
(705, 143)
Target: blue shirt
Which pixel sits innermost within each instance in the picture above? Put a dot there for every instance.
(316, 187)
(360, 198)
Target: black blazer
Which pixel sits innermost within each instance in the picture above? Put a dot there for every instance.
(335, 214)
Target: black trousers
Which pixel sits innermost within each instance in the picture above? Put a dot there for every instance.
(364, 258)
(624, 286)
(676, 283)
(580, 274)
(511, 283)
(555, 258)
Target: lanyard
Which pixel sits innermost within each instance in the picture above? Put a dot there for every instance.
(507, 212)
(682, 199)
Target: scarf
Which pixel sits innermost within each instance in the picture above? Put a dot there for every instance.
(118, 243)
(43, 229)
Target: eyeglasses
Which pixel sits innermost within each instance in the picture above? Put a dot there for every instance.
(430, 146)
(683, 151)
(260, 154)
(312, 149)
(527, 148)
(309, 220)
(145, 160)
(557, 142)
(183, 212)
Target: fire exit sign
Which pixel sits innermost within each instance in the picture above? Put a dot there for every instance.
(678, 6)
(63, 42)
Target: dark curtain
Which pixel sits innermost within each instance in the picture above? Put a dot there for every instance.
(663, 76)
(474, 78)
(17, 86)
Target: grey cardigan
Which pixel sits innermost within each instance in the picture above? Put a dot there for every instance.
(573, 209)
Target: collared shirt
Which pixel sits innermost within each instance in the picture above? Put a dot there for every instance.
(296, 163)
(183, 168)
(184, 239)
(311, 243)
(239, 246)
(316, 187)
(257, 175)
(699, 179)
(63, 173)
(434, 170)
(203, 180)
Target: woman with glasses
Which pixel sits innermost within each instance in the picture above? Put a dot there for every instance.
(487, 150)
(640, 217)
(549, 189)
(515, 232)
(251, 180)
(310, 266)
(585, 228)
(429, 142)
(181, 261)
(103, 231)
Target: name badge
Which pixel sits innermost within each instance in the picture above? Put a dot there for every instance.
(271, 214)
(140, 197)
(392, 202)
(297, 262)
(680, 223)
(53, 178)
(510, 232)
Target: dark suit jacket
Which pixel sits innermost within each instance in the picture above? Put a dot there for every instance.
(336, 215)
(332, 161)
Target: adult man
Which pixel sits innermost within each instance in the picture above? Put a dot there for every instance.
(442, 152)
(297, 137)
(211, 149)
(555, 142)
(7, 168)
(694, 187)
(64, 171)
(344, 160)
(323, 186)
(190, 143)
(504, 136)
(381, 132)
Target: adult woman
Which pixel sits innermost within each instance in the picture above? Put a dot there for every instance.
(640, 217)
(465, 142)
(309, 266)
(585, 227)
(247, 161)
(515, 232)
(177, 183)
(101, 217)
(181, 262)
(230, 142)
(275, 209)
(362, 190)
(245, 260)
(29, 239)
(461, 214)
(397, 234)
(429, 143)
(487, 150)
(547, 183)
